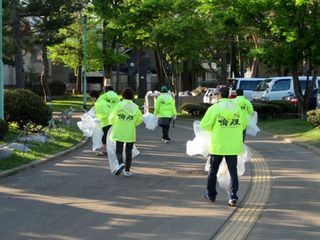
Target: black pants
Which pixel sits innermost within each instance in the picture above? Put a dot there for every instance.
(105, 133)
(119, 151)
(165, 130)
(215, 161)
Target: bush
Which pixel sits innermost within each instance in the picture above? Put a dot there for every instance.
(286, 106)
(314, 117)
(4, 128)
(195, 109)
(22, 106)
(267, 110)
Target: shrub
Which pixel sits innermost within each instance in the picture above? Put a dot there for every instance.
(22, 106)
(314, 117)
(267, 110)
(194, 109)
(286, 106)
(4, 128)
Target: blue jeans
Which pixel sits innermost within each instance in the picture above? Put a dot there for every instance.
(215, 161)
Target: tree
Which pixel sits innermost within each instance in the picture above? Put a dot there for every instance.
(47, 18)
(290, 34)
(70, 51)
(17, 38)
(110, 34)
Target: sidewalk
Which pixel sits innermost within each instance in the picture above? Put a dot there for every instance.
(76, 197)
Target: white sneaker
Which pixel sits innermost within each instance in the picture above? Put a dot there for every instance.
(127, 173)
(232, 203)
(166, 141)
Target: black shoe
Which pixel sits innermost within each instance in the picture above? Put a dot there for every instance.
(206, 196)
(101, 154)
(232, 203)
(119, 170)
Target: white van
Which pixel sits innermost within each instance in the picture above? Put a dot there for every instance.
(275, 88)
(248, 85)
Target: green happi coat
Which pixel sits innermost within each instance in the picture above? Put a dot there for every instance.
(226, 121)
(124, 118)
(165, 106)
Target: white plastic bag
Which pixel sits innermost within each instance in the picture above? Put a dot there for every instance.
(252, 128)
(112, 157)
(223, 176)
(200, 144)
(150, 120)
(90, 126)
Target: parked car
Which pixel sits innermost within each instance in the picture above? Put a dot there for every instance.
(208, 96)
(312, 104)
(248, 85)
(276, 88)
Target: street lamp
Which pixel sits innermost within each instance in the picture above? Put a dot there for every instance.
(1, 69)
(84, 63)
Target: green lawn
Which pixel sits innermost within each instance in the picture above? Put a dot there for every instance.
(296, 129)
(76, 102)
(62, 138)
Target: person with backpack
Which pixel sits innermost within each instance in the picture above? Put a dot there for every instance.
(225, 121)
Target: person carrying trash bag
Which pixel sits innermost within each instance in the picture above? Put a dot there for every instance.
(165, 109)
(109, 99)
(124, 118)
(226, 122)
(245, 106)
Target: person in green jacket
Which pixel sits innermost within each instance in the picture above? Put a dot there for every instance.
(225, 121)
(124, 118)
(107, 101)
(165, 109)
(245, 106)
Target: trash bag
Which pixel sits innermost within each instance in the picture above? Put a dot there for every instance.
(150, 120)
(200, 144)
(252, 128)
(90, 126)
(223, 176)
(112, 157)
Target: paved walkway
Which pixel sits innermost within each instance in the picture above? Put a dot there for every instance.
(76, 197)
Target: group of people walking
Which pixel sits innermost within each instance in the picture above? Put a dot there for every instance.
(226, 120)
(124, 116)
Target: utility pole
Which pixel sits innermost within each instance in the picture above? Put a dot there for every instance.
(1, 68)
(84, 64)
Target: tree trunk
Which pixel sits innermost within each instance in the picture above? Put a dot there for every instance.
(302, 109)
(234, 61)
(79, 80)
(186, 79)
(142, 66)
(223, 68)
(106, 66)
(45, 75)
(159, 69)
(18, 58)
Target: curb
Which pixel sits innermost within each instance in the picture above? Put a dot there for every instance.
(35, 163)
(289, 140)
